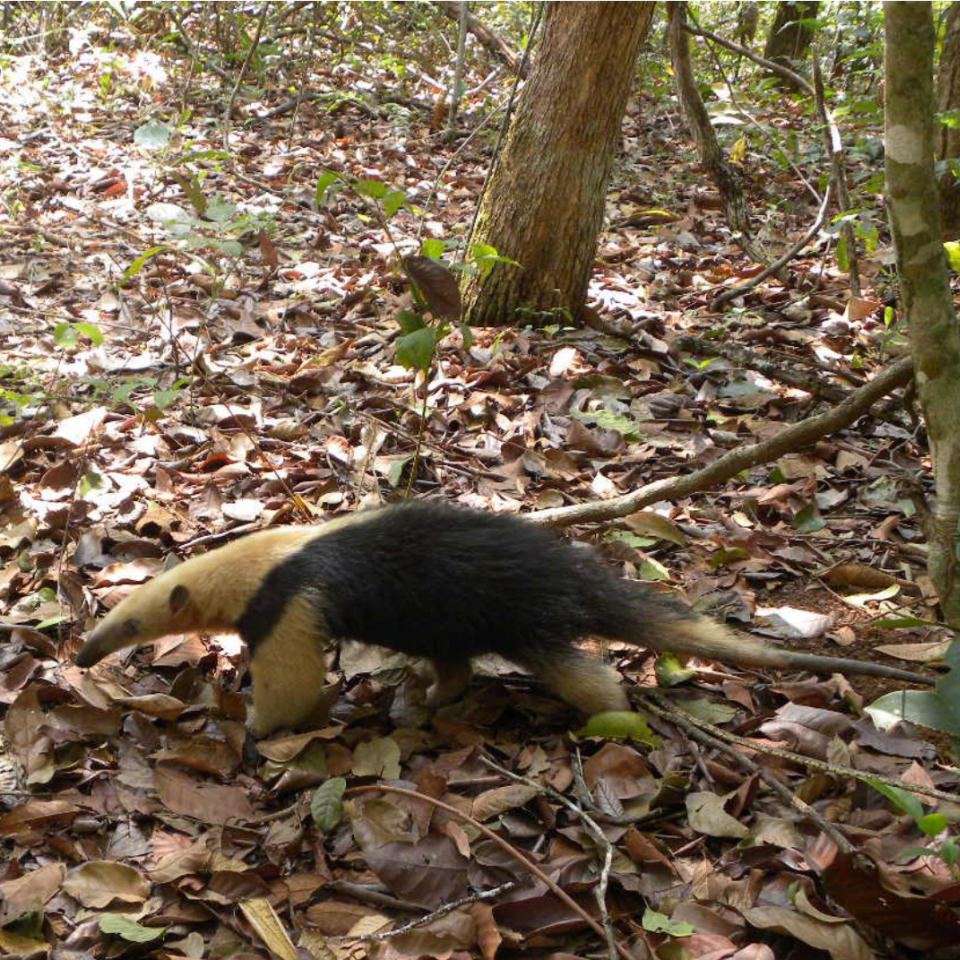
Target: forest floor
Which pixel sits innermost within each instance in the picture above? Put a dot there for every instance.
(170, 378)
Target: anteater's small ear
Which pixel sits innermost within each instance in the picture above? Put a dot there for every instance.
(179, 598)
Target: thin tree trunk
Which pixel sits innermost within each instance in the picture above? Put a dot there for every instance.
(915, 220)
(544, 203)
(711, 156)
(792, 33)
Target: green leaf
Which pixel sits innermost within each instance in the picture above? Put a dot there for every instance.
(949, 851)
(433, 248)
(65, 335)
(392, 202)
(933, 823)
(89, 482)
(923, 707)
(953, 254)
(619, 725)
(219, 210)
(129, 929)
(898, 622)
(139, 263)
(843, 258)
(808, 520)
(467, 335)
(416, 350)
(163, 398)
(651, 569)
(671, 672)
(91, 331)
(901, 799)
(661, 923)
(410, 320)
(725, 555)
(324, 182)
(326, 805)
(375, 189)
(152, 135)
(627, 427)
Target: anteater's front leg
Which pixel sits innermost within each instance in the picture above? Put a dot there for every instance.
(287, 669)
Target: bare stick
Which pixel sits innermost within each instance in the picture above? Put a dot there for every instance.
(794, 437)
(555, 888)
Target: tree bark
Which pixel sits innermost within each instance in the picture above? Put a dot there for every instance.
(948, 138)
(544, 202)
(915, 221)
(791, 35)
(708, 147)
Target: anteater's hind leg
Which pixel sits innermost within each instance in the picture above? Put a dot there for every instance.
(451, 678)
(288, 669)
(583, 682)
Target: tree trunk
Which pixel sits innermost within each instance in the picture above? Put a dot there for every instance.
(948, 138)
(791, 33)
(701, 129)
(544, 203)
(915, 220)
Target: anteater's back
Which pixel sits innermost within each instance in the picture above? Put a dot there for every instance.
(432, 580)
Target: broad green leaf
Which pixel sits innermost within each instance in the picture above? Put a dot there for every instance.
(375, 189)
(326, 805)
(324, 182)
(89, 482)
(933, 823)
(652, 569)
(410, 320)
(415, 350)
(671, 672)
(902, 799)
(661, 923)
(152, 135)
(392, 202)
(922, 707)
(65, 335)
(433, 248)
(129, 929)
(219, 210)
(619, 725)
(91, 331)
(163, 398)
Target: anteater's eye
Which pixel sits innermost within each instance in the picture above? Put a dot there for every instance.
(131, 627)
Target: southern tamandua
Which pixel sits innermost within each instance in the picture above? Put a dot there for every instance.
(432, 581)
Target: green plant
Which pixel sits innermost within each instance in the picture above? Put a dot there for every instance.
(931, 825)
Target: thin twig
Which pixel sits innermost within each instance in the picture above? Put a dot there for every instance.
(508, 848)
(657, 704)
(482, 895)
(794, 437)
(593, 828)
(816, 764)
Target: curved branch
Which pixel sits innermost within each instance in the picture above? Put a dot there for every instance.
(789, 439)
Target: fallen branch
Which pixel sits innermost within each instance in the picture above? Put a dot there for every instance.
(790, 439)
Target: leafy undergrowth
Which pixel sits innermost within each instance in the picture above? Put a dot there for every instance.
(243, 373)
